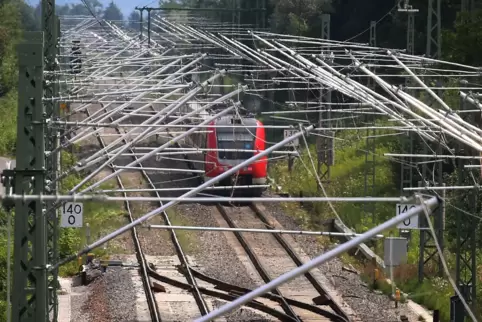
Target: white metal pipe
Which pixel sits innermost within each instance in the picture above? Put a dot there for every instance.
(259, 231)
(440, 156)
(184, 189)
(431, 203)
(186, 195)
(137, 138)
(150, 154)
(104, 198)
(159, 169)
(441, 188)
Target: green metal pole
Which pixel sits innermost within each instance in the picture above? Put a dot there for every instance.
(51, 30)
(30, 295)
(433, 50)
(467, 228)
(370, 149)
(54, 140)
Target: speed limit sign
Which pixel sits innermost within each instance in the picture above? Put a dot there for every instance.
(410, 223)
(72, 213)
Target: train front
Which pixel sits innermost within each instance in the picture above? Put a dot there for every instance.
(234, 140)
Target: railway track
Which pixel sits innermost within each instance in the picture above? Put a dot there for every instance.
(294, 310)
(272, 256)
(147, 273)
(143, 266)
(145, 270)
(192, 286)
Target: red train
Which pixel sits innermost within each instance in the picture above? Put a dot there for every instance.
(229, 141)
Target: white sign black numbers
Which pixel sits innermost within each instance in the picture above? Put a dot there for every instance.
(288, 133)
(72, 213)
(410, 223)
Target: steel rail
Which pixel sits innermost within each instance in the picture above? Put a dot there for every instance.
(281, 300)
(270, 296)
(256, 262)
(194, 288)
(340, 316)
(227, 297)
(291, 252)
(151, 302)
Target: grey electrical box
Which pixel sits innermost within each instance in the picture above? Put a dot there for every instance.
(395, 251)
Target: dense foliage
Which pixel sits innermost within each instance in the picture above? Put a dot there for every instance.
(350, 20)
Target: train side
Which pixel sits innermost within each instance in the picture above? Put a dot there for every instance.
(225, 145)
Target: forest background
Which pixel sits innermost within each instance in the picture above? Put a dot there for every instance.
(350, 20)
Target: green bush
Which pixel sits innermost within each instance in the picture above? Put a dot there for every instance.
(347, 179)
(8, 126)
(102, 217)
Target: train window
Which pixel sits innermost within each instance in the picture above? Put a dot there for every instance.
(238, 142)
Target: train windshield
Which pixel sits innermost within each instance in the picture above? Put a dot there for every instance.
(237, 143)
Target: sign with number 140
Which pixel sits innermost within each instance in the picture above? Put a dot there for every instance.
(72, 213)
(410, 223)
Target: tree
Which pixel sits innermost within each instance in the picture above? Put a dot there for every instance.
(463, 44)
(298, 17)
(28, 18)
(9, 34)
(133, 20)
(62, 10)
(78, 9)
(112, 13)
(95, 6)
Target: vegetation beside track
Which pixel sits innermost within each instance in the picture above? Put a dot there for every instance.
(348, 179)
(102, 218)
(13, 17)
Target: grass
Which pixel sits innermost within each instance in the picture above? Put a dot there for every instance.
(187, 239)
(101, 217)
(8, 126)
(347, 179)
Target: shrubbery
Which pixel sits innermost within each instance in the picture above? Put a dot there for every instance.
(347, 179)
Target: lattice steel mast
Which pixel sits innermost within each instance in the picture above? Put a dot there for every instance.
(325, 143)
(370, 149)
(406, 171)
(428, 252)
(51, 29)
(467, 226)
(30, 297)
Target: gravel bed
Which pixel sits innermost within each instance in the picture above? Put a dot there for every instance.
(97, 304)
(216, 259)
(213, 253)
(79, 298)
(109, 297)
(241, 314)
(370, 306)
(122, 300)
